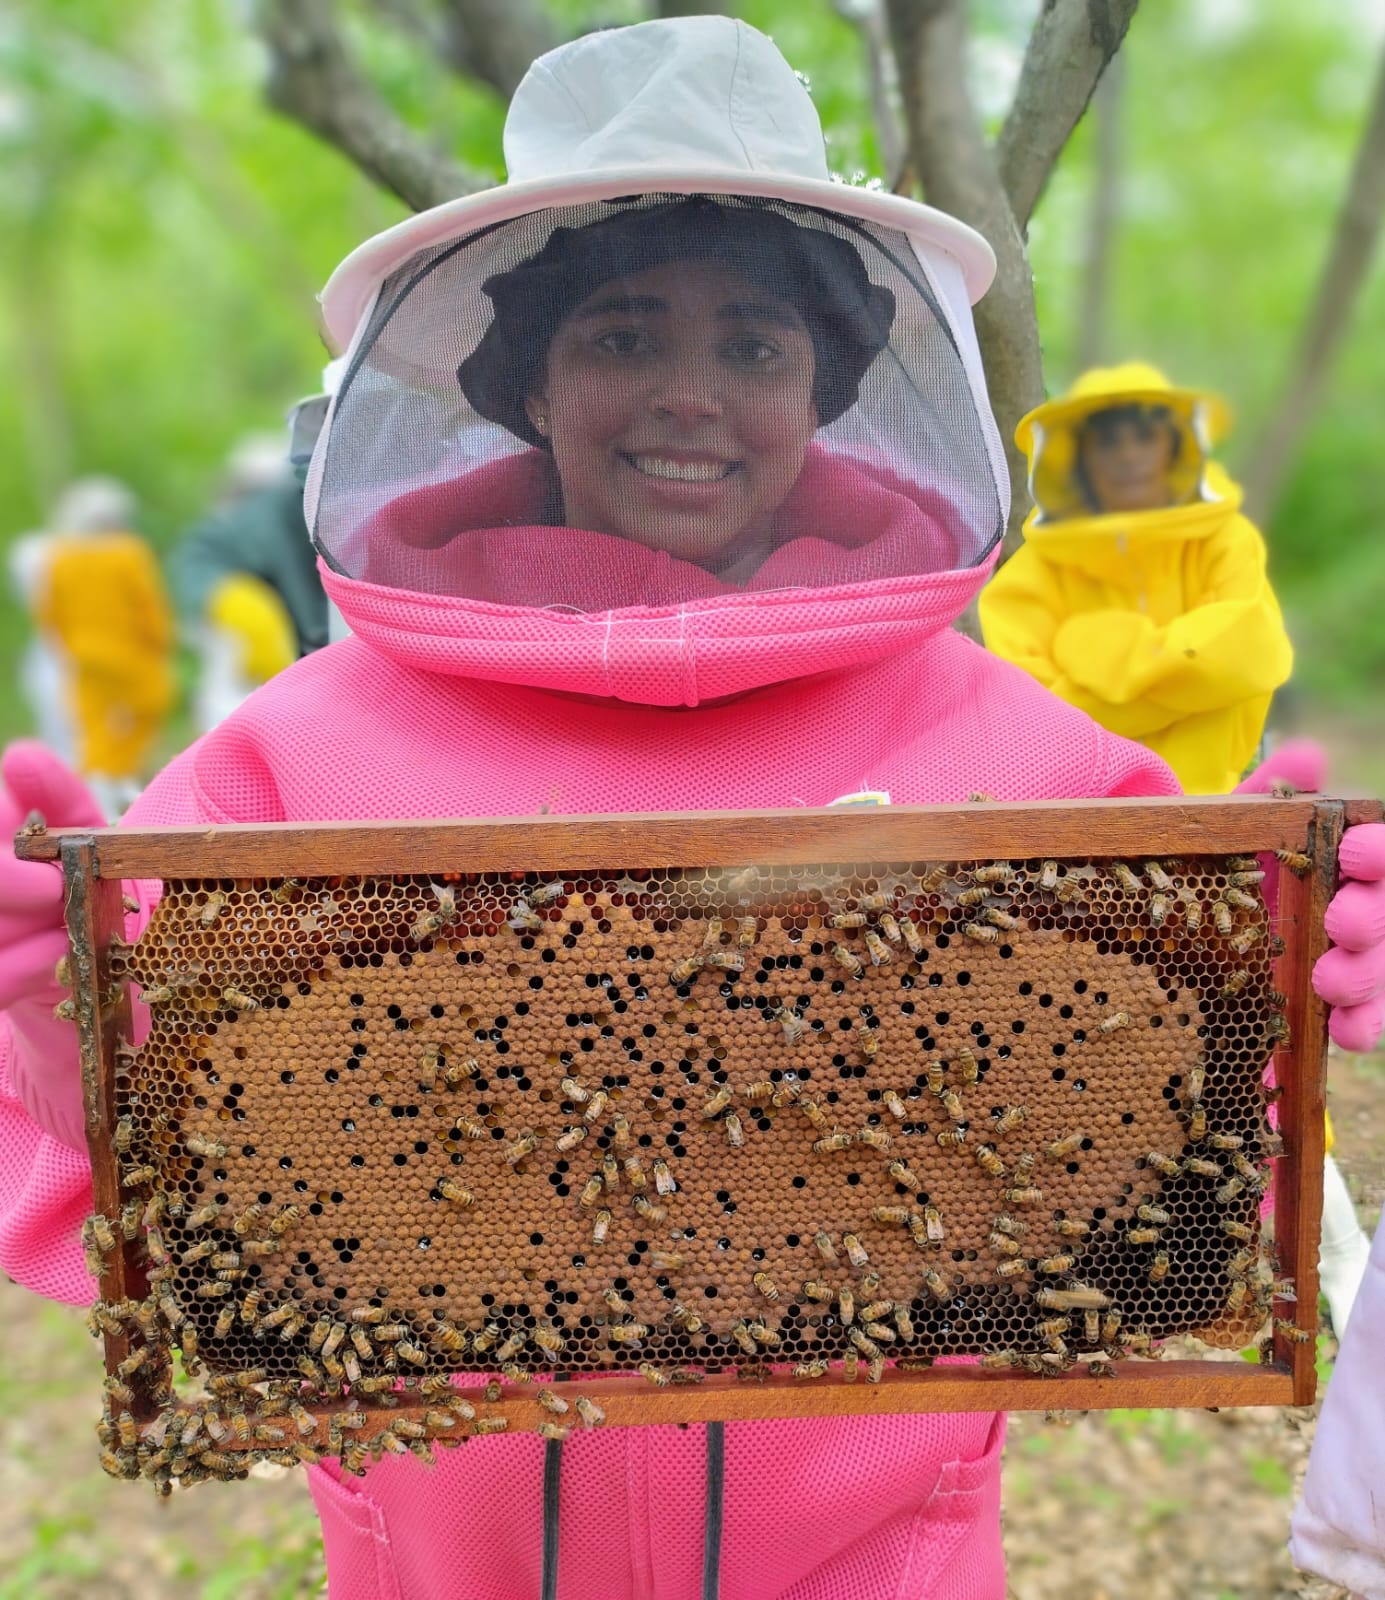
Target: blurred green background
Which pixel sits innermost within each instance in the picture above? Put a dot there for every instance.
(164, 235)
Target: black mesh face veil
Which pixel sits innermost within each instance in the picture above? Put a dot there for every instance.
(657, 400)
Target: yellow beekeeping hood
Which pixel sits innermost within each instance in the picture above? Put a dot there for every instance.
(1048, 434)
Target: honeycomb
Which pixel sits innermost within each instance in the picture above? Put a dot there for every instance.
(814, 1118)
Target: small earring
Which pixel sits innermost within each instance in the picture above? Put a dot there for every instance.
(541, 422)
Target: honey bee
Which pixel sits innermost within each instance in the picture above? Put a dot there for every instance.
(1000, 919)
(1069, 892)
(284, 1220)
(1230, 1189)
(894, 1105)
(1158, 878)
(874, 1310)
(814, 1113)
(973, 897)
(979, 933)
(763, 1334)
(866, 1042)
(936, 1284)
(1245, 941)
(686, 970)
(952, 1137)
(1221, 918)
(790, 1021)
(514, 1153)
(524, 919)
(455, 1192)
(989, 1162)
(786, 1093)
(1224, 1141)
(144, 1173)
(610, 1173)
(102, 1235)
(894, 1214)
(811, 1369)
(1064, 1149)
(848, 919)
(1235, 983)
(848, 960)
(1143, 1235)
(1159, 1267)
(681, 1317)
(815, 1289)
(996, 1360)
(1003, 1245)
(1048, 876)
(591, 1192)
(725, 960)
(878, 1332)
(667, 1261)
(952, 1104)
(596, 1106)
(1240, 899)
(833, 1141)
(1053, 1265)
(901, 1172)
(735, 1133)
(846, 1305)
(1129, 883)
(1298, 863)
(1278, 1031)
(546, 893)
(822, 1242)
(935, 1076)
(601, 1226)
(1075, 1297)
(759, 1093)
(1120, 1019)
(855, 1251)
(743, 1337)
(664, 1181)
(1154, 1214)
(548, 1339)
(204, 1147)
(1295, 1334)
(1166, 1166)
(634, 1168)
(1027, 1195)
(237, 1000)
(1197, 1124)
(491, 1424)
(876, 1138)
(648, 1210)
(487, 1337)
(570, 1138)
(912, 937)
(933, 1224)
(889, 926)
(591, 1414)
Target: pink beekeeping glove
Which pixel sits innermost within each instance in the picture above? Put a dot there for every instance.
(1301, 762)
(1351, 975)
(45, 1069)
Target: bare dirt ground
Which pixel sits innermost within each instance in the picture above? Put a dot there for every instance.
(1126, 1505)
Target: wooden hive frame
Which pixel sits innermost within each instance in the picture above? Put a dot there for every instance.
(95, 861)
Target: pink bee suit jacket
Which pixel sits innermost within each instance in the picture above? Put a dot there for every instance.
(778, 695)
(1338, 1527)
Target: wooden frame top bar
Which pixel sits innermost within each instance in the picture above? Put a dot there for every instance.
(1170, 824)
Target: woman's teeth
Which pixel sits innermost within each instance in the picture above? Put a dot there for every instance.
(682, 471)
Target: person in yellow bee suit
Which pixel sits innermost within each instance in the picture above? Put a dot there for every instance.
(100, 606)
(1140, 591)
(1140, 595)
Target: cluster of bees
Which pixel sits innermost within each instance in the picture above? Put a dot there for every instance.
(357, 1362)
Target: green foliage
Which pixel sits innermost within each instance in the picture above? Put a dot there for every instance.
(165, 235)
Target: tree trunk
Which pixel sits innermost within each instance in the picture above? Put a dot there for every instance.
(1353, 244)
(1093, 310)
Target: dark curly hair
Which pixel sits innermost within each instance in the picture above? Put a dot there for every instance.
(822, 276)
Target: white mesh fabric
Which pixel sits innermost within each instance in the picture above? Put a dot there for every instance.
(892, 471)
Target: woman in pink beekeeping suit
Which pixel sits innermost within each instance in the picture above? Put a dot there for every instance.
(656, 481)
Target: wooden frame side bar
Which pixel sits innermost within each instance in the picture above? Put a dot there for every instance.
(1169, 825)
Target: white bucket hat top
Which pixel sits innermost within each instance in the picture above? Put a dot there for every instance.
(691, 105)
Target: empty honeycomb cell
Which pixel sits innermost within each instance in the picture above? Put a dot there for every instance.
(696, 1118)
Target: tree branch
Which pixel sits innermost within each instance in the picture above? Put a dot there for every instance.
(1353, 245)
(949, 153)
(867, 17)
(1094, 308)
(1068, 50)
(497, 40)
(690, 8)
(313, 80)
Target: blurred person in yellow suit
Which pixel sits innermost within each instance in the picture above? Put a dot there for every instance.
(245, 578)
(1140, 595)
(1140, 591)
(103, 616)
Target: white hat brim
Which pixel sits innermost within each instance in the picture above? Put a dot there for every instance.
(351, 288)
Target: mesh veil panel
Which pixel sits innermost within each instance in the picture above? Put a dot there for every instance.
(749, 395)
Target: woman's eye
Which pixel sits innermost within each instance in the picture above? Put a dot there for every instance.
(750, 350)
(624, 342)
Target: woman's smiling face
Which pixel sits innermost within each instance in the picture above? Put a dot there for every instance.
(678, 403)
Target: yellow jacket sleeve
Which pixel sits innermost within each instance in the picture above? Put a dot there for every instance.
(1021, 611)
(1136, 676)
(250, 609)
(1228, 648)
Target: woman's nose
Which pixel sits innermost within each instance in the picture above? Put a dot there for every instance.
(686, 391)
